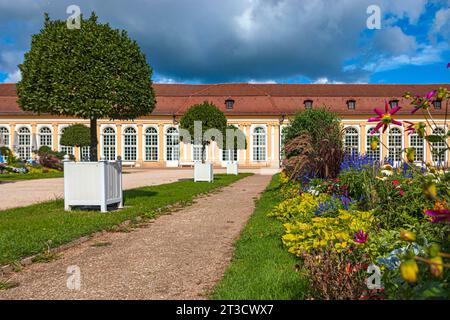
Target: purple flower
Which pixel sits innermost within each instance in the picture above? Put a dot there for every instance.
(438, 215)
(361, 237)
(423, 102)
(448, 65)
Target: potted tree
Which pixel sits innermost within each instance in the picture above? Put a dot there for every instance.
(204, 123)
(234, 141)
(94, 72)
(76, 135)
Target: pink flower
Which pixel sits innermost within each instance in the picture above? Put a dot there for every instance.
(423, 102)
(438, 215)
(361, 237)
(448, 65)
(384, 119)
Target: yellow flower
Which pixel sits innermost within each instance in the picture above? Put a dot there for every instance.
(431, 191)
(409, 270)
(437, 266)
(407, 235)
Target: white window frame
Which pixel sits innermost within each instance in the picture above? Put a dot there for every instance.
(40, 134)
(130, 147)
(253, 135)
(444, 128)
(423, 147)
(199, 146)
(174, 147)
(145, 145)
(358, 135)
(368, 148)
(395, 162)
(24, 150)
(6, 135)
(102, 140)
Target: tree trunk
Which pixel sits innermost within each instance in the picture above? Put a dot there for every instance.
(203, 152)
(94, 141)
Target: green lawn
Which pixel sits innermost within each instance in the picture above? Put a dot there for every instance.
(30, 176)
(261, 268)
(25, 231)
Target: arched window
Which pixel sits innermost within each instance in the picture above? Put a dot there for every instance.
(351, 140)
(66, 149)
(85, 153)
(45, 137)
(151, 144)
(259, 144)
(4, 137)
(373, 154)
(24, 143)
(109, 143)
(172, 144)
(437, 148)
(395, 145)
(417, 143)
(130, 144)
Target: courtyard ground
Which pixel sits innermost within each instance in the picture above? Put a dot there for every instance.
(178, 256)
(27, 192)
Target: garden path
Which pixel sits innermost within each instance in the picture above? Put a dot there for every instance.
(178, 256)
(27, 192)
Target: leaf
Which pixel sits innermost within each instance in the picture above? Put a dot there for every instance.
(435, 138)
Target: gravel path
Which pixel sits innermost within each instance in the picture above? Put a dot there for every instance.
(178, 256)
(27, 192)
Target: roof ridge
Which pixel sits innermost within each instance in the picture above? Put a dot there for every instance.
(268, 95)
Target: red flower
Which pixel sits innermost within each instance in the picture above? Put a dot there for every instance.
(395, 182)
(402, 193)
(384, 119)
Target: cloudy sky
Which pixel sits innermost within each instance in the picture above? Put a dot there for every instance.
(283, 41)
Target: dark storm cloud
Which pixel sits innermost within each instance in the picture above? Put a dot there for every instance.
(233, 40)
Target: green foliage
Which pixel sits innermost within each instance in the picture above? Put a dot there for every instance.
(325, 132)
(92, 72)
(213, 123)
(77, 135)
(44, 149)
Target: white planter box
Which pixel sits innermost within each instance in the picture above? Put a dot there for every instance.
(232, 168)
(92, 184)
(203, 172)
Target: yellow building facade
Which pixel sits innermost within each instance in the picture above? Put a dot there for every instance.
(261, 114)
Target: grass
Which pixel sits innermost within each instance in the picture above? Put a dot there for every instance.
(30, 176)
(29, 230)
(261, 268)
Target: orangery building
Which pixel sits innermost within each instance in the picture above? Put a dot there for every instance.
(260, 111)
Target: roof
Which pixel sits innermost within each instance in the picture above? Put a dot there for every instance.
(263, 99)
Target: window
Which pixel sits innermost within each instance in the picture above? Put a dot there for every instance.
(437, 148)
(197, 153)
(395, 145)
(130, 144)
(259, 144)
(85, 153)
(66, 149)
(151, 144)
(417, 143)
(393, 103)
(4, 137)
(24, 143)
(172, 144)
(373, 154)
(230, 154)
(308, 104)
(351, 104)
(109, 144)
(229, 103)
(437, 104)
(45, 137)
(351, 140)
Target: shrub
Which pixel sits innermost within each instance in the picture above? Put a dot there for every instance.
(77, 135)
(334, 276)
(44, 149)
(340, 231)
(325, 132)
(300, 207)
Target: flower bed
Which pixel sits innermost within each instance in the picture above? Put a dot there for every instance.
(375, 230)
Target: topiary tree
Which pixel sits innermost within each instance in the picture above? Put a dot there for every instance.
(93, 72)
(213, 125)
(321, 135)
(76, 135)
(234, 139)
